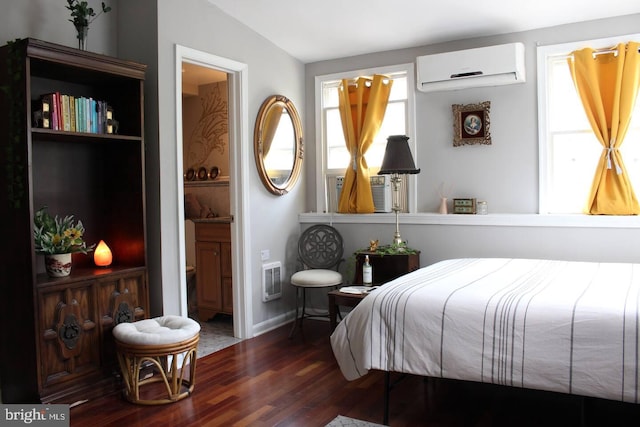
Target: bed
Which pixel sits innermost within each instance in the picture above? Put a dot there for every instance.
(562, 326)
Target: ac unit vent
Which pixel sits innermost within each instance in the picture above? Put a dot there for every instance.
(271, 281)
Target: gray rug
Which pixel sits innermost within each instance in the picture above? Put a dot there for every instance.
(341, 421)
(215, 335)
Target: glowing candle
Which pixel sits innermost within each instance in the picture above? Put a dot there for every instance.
(102, 255)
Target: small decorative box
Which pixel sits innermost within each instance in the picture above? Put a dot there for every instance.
(464, 206)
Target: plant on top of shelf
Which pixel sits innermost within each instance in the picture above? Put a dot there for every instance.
(58, 235)
(82, 15)
(81, 12)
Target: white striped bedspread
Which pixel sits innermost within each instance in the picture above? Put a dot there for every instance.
(569, 327)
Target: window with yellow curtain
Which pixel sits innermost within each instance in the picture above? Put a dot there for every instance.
(333, 156)
(607, 81)
(569, 149)
(362, 106)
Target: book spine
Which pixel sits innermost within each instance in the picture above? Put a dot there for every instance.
(72, 113)
(65, 113)
(91, 108)
(81, 114)
(100, 116)
(76, 106)
(56, 107)
(87, 115)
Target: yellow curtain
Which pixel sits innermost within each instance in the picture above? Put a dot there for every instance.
(608, 87)
(362, 107)
(271, 122)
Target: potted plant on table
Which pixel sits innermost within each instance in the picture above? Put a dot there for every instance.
(57, 238)
(81, 16)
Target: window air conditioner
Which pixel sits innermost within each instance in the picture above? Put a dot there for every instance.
(380, 190)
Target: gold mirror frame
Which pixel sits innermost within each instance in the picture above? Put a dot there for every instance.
(276, 102)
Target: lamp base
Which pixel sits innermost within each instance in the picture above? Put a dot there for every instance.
(397, 239)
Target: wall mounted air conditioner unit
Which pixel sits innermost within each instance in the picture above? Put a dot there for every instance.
(484, 66)
(380, 190)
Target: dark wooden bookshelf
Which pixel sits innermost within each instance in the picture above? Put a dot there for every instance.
(99, 179)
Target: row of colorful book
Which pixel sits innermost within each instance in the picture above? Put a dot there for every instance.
(76, 114)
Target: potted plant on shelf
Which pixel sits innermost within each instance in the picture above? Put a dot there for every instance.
(81, 16)
(57, 238)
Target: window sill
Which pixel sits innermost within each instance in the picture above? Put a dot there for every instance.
(493, 220)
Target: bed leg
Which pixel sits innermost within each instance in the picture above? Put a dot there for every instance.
(387, 390)
(584, 401)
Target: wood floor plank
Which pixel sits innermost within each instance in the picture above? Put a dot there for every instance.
(272, 380)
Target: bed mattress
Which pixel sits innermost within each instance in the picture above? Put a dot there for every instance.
(570, 327)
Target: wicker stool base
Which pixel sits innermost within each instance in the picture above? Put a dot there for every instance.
(165, 363)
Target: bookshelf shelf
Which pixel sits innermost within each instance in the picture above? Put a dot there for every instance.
(41, 133)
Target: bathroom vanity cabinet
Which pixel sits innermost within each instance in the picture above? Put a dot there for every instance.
(214, 283)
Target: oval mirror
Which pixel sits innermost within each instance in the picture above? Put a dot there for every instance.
(277, 139)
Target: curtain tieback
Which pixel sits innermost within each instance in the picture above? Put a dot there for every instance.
(610, 149)
(355, 158)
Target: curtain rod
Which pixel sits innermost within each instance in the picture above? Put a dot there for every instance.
(603, 51)
(597, 52)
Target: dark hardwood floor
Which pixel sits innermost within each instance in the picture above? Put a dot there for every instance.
(272, 380)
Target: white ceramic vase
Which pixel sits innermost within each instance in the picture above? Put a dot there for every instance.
(443, 205)
(58, 265)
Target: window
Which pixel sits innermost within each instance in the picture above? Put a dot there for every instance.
(569, 151)
(333, 157)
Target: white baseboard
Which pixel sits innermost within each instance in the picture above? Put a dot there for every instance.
(281, 320)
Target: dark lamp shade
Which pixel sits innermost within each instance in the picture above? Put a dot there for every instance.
(397, 157)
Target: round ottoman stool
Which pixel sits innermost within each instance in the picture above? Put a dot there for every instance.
(168, 344)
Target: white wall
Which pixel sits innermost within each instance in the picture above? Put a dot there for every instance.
(504, 173)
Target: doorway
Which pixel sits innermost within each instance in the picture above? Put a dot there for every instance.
(230, 75)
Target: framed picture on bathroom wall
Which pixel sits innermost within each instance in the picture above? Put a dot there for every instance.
(471, 124)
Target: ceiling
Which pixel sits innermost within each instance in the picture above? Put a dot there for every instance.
(319, 30)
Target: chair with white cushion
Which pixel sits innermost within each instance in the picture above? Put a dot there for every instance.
(168, 345)
(320, 249)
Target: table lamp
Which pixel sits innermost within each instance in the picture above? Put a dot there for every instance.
(397, 161)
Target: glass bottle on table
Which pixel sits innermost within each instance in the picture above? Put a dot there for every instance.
(367, 272)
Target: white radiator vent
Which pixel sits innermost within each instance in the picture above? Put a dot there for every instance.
(271, 281)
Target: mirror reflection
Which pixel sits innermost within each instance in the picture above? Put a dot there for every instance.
(278, 144)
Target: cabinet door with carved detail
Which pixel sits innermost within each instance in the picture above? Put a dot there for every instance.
(69, 338)
(121, 298)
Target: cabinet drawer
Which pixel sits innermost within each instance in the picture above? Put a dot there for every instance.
(213, 232)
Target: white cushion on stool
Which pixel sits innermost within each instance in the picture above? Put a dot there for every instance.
(316, 278)
(157, 331)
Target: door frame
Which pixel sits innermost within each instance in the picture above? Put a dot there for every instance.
(239, 165)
